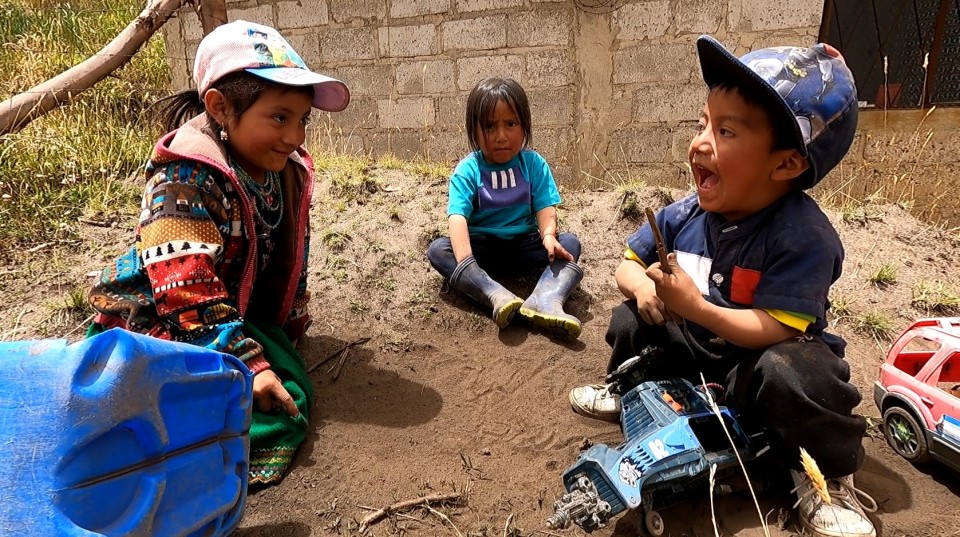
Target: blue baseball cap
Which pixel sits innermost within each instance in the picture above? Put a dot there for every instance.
(810, 89)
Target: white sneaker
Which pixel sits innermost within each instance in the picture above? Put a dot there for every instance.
(596, 401)
(843, 517)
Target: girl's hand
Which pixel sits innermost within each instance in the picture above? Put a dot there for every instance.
(555, 249)
(677, 291)
(269, 393)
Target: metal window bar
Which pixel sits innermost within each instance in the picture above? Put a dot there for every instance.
(905, 33)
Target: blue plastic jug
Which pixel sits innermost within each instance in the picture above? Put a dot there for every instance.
(122, 434)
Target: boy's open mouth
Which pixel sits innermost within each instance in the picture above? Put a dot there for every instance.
(706, 179)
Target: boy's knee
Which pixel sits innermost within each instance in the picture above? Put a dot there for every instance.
(624, 317)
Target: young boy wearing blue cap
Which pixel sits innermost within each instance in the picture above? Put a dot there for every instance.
(753, 260)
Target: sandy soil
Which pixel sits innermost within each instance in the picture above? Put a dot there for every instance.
(440, 401)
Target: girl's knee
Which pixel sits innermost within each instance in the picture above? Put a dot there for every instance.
(570, 243)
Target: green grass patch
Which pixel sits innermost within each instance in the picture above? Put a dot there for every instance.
(74, 161)
(885, 276)
(935, 298)
(876, 324)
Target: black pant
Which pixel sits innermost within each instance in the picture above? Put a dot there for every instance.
(797, 391)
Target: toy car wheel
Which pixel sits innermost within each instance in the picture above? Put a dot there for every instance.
(905, 435)
(653, 523)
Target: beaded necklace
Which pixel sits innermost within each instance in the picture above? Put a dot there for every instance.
(268, 201)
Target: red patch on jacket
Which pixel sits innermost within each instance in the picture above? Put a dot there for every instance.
(743, 285)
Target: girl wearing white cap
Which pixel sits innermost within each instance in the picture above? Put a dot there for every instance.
(220, 255)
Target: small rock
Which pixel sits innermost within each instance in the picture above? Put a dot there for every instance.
(585, 444)
(485, 451)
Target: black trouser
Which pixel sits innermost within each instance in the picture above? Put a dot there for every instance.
(797, 391)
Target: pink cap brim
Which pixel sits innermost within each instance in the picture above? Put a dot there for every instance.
(329, 94)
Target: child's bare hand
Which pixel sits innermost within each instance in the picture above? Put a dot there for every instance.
(677, 291)
(555, 249)
(651, 309)
(268, 393)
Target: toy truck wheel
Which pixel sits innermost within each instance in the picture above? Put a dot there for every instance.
(654, 523)
(905, 435)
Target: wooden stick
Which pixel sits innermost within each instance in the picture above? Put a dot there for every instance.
(343, 358)
(506, 527)
(375, 516)
(337, 352)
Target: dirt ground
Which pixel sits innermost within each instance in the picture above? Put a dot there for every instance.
(439, 401)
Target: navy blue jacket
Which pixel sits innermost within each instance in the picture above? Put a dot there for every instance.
(784, 257)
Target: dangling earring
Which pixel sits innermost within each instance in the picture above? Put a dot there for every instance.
(223, 134)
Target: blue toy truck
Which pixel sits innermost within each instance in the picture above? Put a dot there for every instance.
(672, 437)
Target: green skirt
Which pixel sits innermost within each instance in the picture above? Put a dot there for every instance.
(274, 436)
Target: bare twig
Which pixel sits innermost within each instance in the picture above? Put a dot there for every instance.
(375, 516)
(716, 410)
(79, 326)
(337, 353)
(343, 359)
(616, 214)
(92, 222)
(445, 518)
(38, 247)
(713, 512)
(506, 527)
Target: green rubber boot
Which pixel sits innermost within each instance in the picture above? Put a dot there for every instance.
(473, 281)
(544, 308)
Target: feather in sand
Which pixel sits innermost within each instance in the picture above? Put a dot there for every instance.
(813, 472)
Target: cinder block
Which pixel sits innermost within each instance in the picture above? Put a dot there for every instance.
(548, 68)
(451, 113)
(308, 47)
(643, 20)
(674, 102)
(407, 41)
(481, 33)
(300, 14)
(426, 77)
(655, 63)
(375, 10)
(539, 27)
(406, 145)
(700, 16)
(406, 113)
(744, 42)
(192, 29)
(348, 44)
(759, 15)
(472, 70)
(445, 146)
(417, 8)
(180, 77)
(643, 144)
(364, 79)
(683, 134)
(464, 6)
(348, 144)
(565, 175)
(551, 106)
(260, 14)
(360, 114)
(554, 145)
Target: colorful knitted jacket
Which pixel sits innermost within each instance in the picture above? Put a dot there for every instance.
(192, 274)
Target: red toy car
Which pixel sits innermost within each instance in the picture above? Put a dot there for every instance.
(918, 392)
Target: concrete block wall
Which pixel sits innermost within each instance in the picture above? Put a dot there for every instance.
(614, 95)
